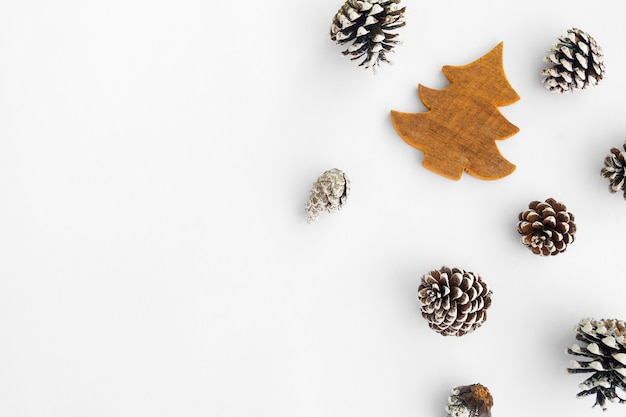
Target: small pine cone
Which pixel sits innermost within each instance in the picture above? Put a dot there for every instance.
(577, 63)
(615, 169)
(329, 193)
(470, 401)
(546, 227)
(454, 301)
(605, 351)
(365, 24)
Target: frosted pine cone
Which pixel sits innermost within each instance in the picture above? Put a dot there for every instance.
(366, 25)
(615, 169)
(454, 301)
(605, 351)
(470, 401)
(329, 193)
(546, 227)
(577, 63)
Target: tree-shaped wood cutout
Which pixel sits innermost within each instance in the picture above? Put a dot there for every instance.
(459, 131)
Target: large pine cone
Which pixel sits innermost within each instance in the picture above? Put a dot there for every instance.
(454, 301)
(615, 169)
(577, 63)
(546, 227)
(365, 24)
(329, 193)
(605, 351)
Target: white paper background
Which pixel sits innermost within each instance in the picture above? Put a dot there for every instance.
(155, 159)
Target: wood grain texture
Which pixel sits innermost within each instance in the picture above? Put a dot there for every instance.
(459, 131)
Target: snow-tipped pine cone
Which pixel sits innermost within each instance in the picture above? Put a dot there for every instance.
(576, 63)
(329, 193)
(470, 401)
(615, 169)
(546, 227)
(365, 24)
(453, 301)
(604, 356)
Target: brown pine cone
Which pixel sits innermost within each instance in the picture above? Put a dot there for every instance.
(615, 169)
(366, 25)
(577, 62)
(603, 355)
(454, 301)
(470, 400)
(546, 227)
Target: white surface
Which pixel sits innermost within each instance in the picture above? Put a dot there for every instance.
(155, 159)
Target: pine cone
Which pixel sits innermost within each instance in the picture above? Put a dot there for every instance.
(606, 349)
(615, 169)
(577, 63)
(329, 193)
(365, 23)
(454, 301)
(470, 401)
(546, 228)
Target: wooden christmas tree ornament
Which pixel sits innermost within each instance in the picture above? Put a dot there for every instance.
(459, 131)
